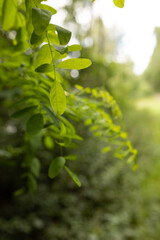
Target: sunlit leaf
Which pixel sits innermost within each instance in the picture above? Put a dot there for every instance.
(48, 142)
(119, 3)
(74, 48)
(75, 63)
(57, 98)
(9, 12)
(44, 56)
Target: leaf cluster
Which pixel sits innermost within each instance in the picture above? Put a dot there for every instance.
(38, 52)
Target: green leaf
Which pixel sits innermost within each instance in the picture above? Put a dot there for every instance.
(23, 112)
(37, 39)
(71, 157)
(74, 48)
(46, 7)
(63, 34)
(34, 124)
(75, 63)
(35, 167)
(52, 115)
(9, 12)
(56, 166)
(32, 184)
(106, 149)
(52, 35)
(73, 176)
(61, 49)
(19, 192)
(58, 77)
(48, 142)
(45, 68)
(119, 3)
(40, 19)
(58, 55)
(57, 98)
(44, 56)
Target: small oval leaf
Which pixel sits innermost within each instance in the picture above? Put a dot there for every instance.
(74, 48)
(75, 63)
(56, 166)
(57, 98)
(35, 166)
(48, 142)
(44, 56)
(34, 124)
(119, 3)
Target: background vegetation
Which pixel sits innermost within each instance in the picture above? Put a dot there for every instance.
(114, 202)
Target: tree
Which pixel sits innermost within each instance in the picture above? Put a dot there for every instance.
(152, 73)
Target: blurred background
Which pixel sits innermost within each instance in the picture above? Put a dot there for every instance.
(114, 203)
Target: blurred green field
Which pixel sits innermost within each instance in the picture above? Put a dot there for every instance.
(151, 104)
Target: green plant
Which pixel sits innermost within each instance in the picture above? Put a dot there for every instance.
(32, 53)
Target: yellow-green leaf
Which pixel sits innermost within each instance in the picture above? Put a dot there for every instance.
(9, 12)
(74, 48)
(119, 3)
(57, 98)
(75, 63)
(44, 56)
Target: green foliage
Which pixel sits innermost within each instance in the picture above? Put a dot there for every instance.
(37, 95)
(34, 124)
